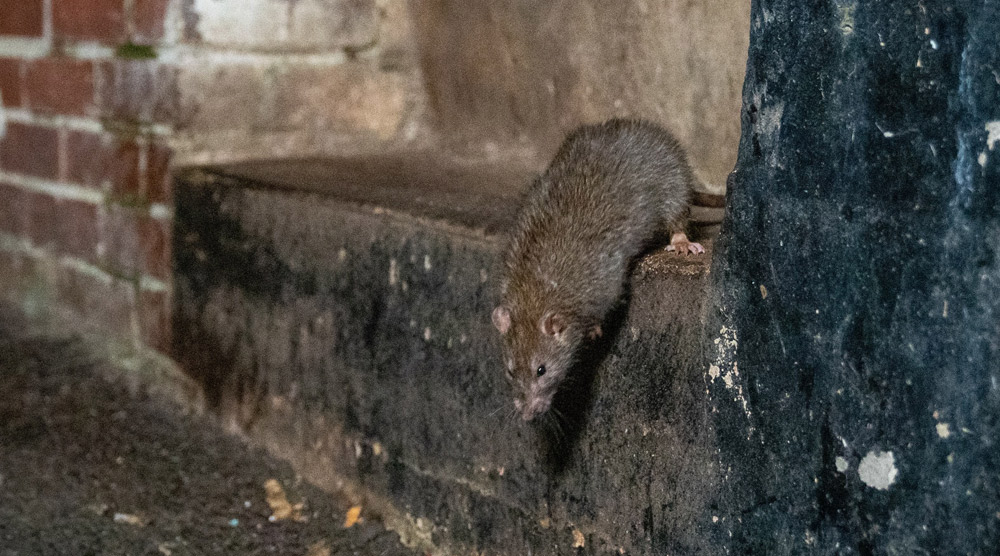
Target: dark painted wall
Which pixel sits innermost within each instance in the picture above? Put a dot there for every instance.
(856, 371)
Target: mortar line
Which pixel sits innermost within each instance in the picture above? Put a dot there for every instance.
(55, 189)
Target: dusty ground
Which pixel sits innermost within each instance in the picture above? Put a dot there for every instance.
(88, 469)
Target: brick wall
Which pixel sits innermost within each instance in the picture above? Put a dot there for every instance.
(100, 98)
(85, 212)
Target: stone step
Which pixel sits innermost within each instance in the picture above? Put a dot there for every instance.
(337, 311)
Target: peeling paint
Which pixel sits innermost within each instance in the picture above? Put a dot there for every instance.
(878, 469)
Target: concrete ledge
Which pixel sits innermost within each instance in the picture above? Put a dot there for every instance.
(338, 311)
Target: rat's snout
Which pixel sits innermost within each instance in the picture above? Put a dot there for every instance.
(534, 407)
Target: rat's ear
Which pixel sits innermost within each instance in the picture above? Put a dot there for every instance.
(595, 332)
(501, 319)
(552, 323)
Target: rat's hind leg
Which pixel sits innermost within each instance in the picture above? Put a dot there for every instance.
(680, 243)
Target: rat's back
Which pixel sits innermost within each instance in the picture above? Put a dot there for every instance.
(611, 190)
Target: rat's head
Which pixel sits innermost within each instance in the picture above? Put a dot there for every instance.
(539, 353)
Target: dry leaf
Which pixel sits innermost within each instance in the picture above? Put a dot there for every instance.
(578, 540)
(320, 548)
(281, 509)
(352, 516)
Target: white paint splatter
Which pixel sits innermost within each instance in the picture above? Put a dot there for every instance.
(878, 470)
(943, 430)
(427, 334)
(841, 464)
(993, 131)
(713, 371)
(726, 366)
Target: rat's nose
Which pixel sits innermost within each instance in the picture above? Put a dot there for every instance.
(534, 408)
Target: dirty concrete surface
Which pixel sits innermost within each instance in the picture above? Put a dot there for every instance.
(86, 468)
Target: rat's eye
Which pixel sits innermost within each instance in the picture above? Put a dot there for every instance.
(541, 370)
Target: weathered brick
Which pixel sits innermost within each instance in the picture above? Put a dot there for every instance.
(60, 86)
(77, 227)
(31, 150)
(102, 20)
(10, 82)
(22, 17)
(135, 244)
(138, 91)
(68, 226)
(14, 210)
(106, 304)
(155, 320)
(158, 182)
(95, 159)
(147, 20)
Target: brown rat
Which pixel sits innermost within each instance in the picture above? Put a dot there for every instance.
(612, 191)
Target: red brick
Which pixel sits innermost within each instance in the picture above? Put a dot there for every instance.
(147, 20)
(102, 20)
(60, 86)
(32, 150)
(158, 184)
(154, 320)
(10, 82)
(93, 159)
(22, 17)
(135, 244)
(139, 91)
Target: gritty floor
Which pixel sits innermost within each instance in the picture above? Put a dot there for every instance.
(88, 469)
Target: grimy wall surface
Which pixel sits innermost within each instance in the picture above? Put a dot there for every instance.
(525, 72)
(857, 281)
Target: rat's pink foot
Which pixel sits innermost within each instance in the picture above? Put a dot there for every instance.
(680, 244)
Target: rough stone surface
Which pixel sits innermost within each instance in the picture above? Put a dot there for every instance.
(91, 466)
(519, 70)
(856, 283)
(353, 336)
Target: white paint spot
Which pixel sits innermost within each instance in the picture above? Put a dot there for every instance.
(878, 470)
(993, 129)
(934, 44)
(427, 334)
(427, 262)
(393, 272)
(713, 371)
(483, 276)
(982, 159)
(715, 519)
(342, 254)
(841, 464)
(943, 430)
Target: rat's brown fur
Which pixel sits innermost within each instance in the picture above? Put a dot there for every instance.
(611, 192)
